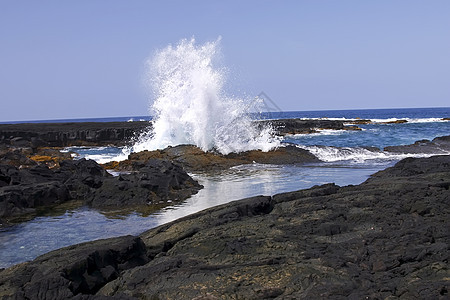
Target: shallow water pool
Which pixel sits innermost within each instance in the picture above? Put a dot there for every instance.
(25, 241)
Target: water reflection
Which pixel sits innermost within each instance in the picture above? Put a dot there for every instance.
(47, 232)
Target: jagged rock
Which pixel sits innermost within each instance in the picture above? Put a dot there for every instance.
(156, 181)
(22, 199)
(383, 239)
(16, 157)
(75, 270)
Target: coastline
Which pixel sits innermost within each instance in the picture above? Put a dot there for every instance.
(120, 133)
(372, 240)
(304, 239)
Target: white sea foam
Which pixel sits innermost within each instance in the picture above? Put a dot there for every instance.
(356, 154)
(426, 120)
(321, 132)
(410, 120)
(191, 106)
(105, 158)
(387, 120)
(100, 154)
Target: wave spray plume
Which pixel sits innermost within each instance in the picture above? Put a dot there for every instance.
(191, 107)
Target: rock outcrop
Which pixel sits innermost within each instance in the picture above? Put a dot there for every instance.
(119, 133)
(439, 145)
(304, 126)
(193, 158)
(77, 270)
(70, 134)
(154, 182)
(386, 238)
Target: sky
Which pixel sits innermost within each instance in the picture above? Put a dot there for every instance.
(86, 58)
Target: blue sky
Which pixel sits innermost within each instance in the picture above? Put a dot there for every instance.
(86, 58)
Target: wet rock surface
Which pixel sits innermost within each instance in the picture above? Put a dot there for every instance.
(193, 158)
(386, 238)
(156, 181)
(22, 190)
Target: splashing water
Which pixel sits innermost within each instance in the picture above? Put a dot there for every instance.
(191, 108)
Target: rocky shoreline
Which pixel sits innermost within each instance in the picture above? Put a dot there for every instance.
(35, 173)
(44, 177)
(153, 183)
(35, 135)
(383, 239)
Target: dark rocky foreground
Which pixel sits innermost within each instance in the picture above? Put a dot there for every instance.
(154, 182)
(119, 133)
(386, 238)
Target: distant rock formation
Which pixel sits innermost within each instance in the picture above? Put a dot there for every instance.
(70, 134)
(119, 133)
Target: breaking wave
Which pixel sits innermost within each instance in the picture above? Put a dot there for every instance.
(357, 154)
(191, 106)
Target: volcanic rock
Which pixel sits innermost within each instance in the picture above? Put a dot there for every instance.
(395, 122)
(193, 158)
(303, 126)
(439, 145)
(16, 157)
(70, 134)
(154, 182)
(383, 239)
(36, 135)
(79, 269)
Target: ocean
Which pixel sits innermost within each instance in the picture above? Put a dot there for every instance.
(348, 157)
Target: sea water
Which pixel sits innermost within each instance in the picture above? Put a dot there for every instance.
(54, 230)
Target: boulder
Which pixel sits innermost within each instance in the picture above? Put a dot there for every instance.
(155, 182)
(75, 270)
(22, 199)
